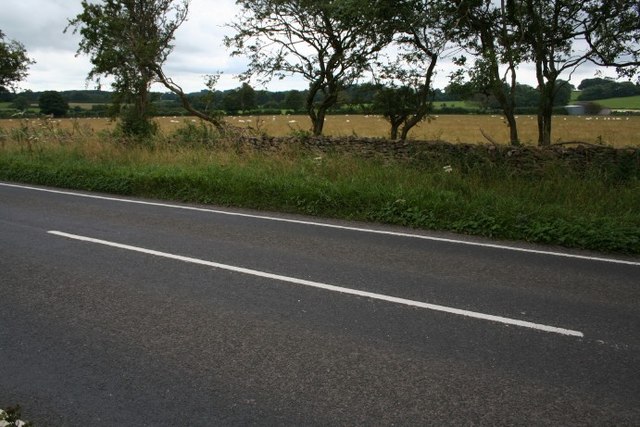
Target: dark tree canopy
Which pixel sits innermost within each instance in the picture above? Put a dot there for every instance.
(14, 63)
(52, 102)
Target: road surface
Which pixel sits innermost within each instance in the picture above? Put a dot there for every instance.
(118, 311)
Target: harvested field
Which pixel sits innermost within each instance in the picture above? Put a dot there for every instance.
(614, 131)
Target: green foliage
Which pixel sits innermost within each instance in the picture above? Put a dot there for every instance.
(240, 99)
(14, 63)
(21, 103)
(199, 134)
(563, 91)
(52, 102)
(129, 40)
(602, 89)
(135, 123)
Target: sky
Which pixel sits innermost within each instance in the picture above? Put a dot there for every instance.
(39, 25)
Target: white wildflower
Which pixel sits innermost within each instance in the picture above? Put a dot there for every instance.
(447, 169)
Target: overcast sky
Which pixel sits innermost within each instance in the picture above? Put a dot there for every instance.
(39, 25)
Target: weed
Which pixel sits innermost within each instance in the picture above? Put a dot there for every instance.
(195, 134)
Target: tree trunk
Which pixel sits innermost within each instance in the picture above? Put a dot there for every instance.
(394, 131)
(545, 112)
(412, 121)
(544, 139)
(317, 121)
(496, 85)
(514, 139)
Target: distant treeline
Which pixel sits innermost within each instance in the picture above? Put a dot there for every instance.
(356, 99)
(594, 89)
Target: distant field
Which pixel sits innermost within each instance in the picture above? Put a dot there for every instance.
(615, 131)
(623, 103)
(456, 104)
(626, 103)
(83, 105)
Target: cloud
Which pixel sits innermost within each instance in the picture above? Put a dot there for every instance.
(39, 25)
(198, 48)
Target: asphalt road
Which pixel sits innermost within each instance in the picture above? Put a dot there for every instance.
(133, 312)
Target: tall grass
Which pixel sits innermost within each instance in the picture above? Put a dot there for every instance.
(590, 209)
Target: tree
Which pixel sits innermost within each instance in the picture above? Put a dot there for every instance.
(130, 40)
(21, 103)
(126, 39)
(564, 34)
(231, 101)
(396, 105)
(601, 89)
(247, 97)
(493, 32)
(293, 100)
(564, 89)
(526, 96)
(328, 43)
(52, 102)
(587, 83)
(14, 63)
(421, 39)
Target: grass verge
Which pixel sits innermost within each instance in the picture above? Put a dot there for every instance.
(590, 209)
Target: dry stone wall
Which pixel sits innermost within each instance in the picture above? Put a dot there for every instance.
(577, 156)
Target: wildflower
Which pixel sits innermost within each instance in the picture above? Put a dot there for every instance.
(447, 169)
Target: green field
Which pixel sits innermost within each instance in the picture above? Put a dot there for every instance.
(626, 103)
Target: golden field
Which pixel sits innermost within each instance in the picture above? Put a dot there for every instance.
(614, 131)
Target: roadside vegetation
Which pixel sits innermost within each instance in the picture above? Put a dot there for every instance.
(592, 207)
